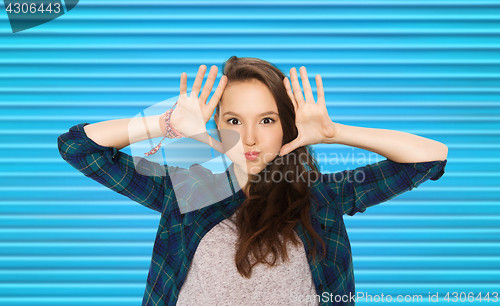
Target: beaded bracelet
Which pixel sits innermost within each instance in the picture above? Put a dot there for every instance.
(171, 132)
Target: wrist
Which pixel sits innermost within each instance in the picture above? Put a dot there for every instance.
(339, 131)
(161, 122)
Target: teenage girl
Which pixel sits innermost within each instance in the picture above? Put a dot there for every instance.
(279, 237)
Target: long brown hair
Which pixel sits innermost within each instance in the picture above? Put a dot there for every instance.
(273, 208)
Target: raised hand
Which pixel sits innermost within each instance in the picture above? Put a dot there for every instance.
(312, 120)
(192, 113)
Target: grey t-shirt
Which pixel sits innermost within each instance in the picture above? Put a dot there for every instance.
(213, 279)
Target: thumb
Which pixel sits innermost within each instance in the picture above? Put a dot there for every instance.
(217, 145)
(289, 147)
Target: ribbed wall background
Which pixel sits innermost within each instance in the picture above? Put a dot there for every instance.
(430, 68)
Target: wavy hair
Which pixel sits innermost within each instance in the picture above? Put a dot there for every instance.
(267, 218)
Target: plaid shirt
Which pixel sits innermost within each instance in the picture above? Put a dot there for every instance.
(179, 234)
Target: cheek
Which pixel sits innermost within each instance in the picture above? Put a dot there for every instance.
(275, 140)
(278, 136)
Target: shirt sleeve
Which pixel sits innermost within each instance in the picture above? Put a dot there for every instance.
(372, 184)
(116, 170)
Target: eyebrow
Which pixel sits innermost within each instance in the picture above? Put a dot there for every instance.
(263, 114)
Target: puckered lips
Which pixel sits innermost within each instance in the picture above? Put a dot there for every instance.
(252, 155)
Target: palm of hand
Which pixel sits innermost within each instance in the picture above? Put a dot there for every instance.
(312, 120)
(192, 112)
(190, 107)
(313, 124)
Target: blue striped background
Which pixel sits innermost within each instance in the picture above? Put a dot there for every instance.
(430, 68)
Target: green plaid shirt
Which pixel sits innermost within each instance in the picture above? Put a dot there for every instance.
(179, 234)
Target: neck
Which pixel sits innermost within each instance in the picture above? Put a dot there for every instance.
(242, 179)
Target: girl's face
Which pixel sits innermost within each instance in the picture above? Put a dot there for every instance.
(249, 108)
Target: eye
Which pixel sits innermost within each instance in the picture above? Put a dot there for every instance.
(230, 120)
(269, 119)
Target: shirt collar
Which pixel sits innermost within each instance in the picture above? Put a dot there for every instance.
(227, 180)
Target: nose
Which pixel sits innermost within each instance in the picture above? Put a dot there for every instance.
(249, 137)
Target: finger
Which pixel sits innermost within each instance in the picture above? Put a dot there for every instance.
(307, 87)
(207, 139)
(197, 82)
(286, 81)
(320, 90)
(217, 145)
(218, 93)
(297, 92)
(209, 84)
(289, 147)
(183, 83)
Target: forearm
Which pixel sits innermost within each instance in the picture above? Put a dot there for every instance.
(397, 146)
(120, 133)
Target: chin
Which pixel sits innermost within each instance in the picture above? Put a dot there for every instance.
(249, 168)
(255, 169)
